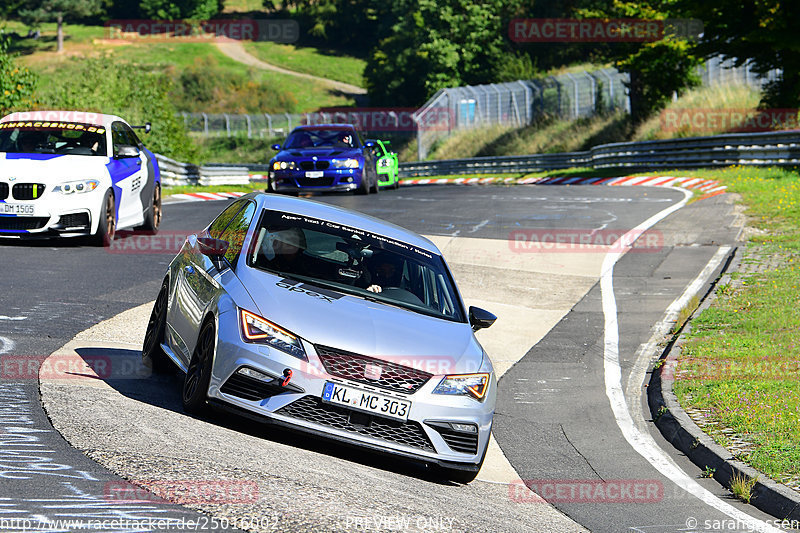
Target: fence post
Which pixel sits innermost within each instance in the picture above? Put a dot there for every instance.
(576, 107)
(227, 124)
(249, 127)
(289, 119)
(205, 124)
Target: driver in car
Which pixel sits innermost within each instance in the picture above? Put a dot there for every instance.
(386, 273)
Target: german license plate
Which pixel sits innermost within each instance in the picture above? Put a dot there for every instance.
(366, 401)
(16, 209)
(314, 174)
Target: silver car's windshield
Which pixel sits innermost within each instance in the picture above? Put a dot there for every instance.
(356, 262)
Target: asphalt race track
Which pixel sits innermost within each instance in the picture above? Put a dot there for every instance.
(570, 418)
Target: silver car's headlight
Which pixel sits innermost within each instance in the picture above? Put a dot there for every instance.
(72, 187)
(345, 163)
(473, 385)
(284, 165)
(261, 331)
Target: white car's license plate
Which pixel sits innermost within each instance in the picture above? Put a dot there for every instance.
(367, 401)
(314, 174)
(16, 209)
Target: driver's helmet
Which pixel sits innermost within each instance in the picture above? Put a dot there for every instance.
(31, 140)
(387, 269)
(303, 140)
(346, 138)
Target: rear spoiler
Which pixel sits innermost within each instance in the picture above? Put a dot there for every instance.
(147, 127)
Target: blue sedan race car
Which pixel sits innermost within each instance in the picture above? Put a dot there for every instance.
(323, 157)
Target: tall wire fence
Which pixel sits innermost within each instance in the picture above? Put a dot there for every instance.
(515, 104)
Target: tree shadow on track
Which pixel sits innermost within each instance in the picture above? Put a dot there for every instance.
(123, 371)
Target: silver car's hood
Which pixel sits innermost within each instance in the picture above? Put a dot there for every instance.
(328, 318)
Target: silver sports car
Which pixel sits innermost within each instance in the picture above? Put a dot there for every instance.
(331, 322)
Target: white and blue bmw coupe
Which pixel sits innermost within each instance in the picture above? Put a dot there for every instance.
(70, 173)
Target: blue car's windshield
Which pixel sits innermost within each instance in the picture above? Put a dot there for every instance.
(322, 138)
(356, 262)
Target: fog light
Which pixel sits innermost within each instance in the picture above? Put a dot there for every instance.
(255, 374)
(464, 428)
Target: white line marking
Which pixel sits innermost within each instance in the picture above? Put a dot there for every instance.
(6, 345)
(642, 442)
(661, 329)
(4, 317)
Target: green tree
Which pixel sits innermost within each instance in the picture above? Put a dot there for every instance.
(657, 69)
(179, 9)
(38, 11)
(17, 84)
(437, 44)
(762, 31)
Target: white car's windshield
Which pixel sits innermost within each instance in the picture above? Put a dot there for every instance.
(356, 262)
(63, 138)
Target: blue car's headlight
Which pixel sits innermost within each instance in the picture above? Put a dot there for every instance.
(345, 163)
(284, 165)
(261, 331)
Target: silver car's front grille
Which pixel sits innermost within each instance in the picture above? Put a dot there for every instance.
(312, 409)
(381, 373)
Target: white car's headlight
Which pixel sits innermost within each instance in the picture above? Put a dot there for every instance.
(72, 187)
(259, 330)
(345, 163)
(284, 165)
(473, 385)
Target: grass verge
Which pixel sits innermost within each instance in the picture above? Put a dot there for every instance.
(310, 60)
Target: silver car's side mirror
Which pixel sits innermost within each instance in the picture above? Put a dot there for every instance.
(480, 318)
(213, 248)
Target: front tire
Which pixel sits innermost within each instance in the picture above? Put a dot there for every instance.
(152, 217)
(153, 355)
(396, 184)
(375, 187)
(107, 226)
(198, 375)
(363, 187)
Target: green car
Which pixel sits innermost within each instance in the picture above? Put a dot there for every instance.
(388, 165)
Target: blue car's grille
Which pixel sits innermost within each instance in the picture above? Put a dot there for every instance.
(314, 165)
(315, 182)
(312, 409)
(394, 377)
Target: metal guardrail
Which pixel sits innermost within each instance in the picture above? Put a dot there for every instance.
(756, 149)
(177, 173)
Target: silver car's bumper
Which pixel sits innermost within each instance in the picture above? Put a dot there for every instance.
(426, 436)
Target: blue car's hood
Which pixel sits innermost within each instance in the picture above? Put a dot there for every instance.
(320, 153)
